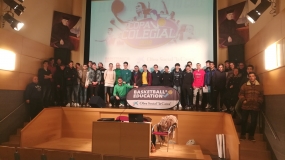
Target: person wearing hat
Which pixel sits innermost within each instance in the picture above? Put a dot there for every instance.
(60, 34)
(228, 30)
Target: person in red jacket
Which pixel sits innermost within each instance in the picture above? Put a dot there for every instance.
(146, 76)
(198, 83)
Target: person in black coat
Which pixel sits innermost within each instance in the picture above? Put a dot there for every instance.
(187, 88)
(33, 97)
(166, 77)
(45, 76)
(136, 78)
(60, 85)
(219, 86)
(155, 76)
(70, 75)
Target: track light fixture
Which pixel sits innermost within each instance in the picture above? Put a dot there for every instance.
(18, 8)
(254, 14)
(15, 24)
(254, 1)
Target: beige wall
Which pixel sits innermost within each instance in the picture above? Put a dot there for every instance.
(29, 55)
(272, 32)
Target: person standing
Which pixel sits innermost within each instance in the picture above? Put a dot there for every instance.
(83, 87)
(166, 78)
(198, 84)
(90, 65)
(126, 74)
(70, 75)
(177, 82)
(187, 89)
(94, 79)
(45, 76)
(227, 66)
(210, 68)
(251, 95)
(120, 93)
(155, 76)
(33, 97)
(110, 78)
(77, 85)
(218, 87)
(52, 69)
(101, 86)
(60, 86)
(146, 76)
(136, 79)
(118, 72)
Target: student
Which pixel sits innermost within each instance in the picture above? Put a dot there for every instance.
(251, 95)
(136, 79)
(33, 97)
(52, 69)
(70, 75)
(45, 76)
(198, 84)
(126, 74)
(166, 78)
(118, 72)
(60, 86)
(101, 85)
(110, 78)
(77, 85)
(187, 89)
(177, 82)
(155, 76)
(208, 78)
(94, 79)
(120, 93)
(83, 87)
(146, 76)
(219, 86)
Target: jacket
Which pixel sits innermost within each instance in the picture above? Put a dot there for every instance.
(110, 78)
(126, 75)
(148, 78)
(245, 78)
(252, 94)
(235, 82)
(41, 74)
(83, 77)
(102, 70)
(187, 79)
(219, 80)
(136, 78)
(155, 78)
(118, 74)
(70, 75)
(121, 91)
(33, 92)
(59, 78)
(177, 77)
(94, 76)
(208, 76)
(166, 79)
(198, 78)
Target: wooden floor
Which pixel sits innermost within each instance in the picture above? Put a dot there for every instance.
(182, 152)
(72, 144)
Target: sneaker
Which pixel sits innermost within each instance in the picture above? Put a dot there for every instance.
(242, 137)
(174, 108)
(208, 106)
(68, 105)
(224, 110)
(121, 106)
(180, 107)
(187, 108)
(251, 138)
(110, 105)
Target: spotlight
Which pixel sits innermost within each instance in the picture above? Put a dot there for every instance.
(15, 24)
(18, 8)
(253, 15)
(21, 1)
(254, 1)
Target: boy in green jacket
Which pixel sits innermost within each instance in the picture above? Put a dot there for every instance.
(120, 93)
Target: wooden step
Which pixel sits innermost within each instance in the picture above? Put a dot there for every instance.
(257, 136)
(11, 144)
(19, 131)
(238, 128)
(207, 157)
(15, 138)
(254, 155)
(25, 123)
(258, 145)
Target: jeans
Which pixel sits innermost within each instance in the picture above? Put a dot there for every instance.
(253, 123)
(60, 95)
(187, 95)
(122, 100)
(83, 94)
(35, 107)
(178, 88)
(238, 108)
(196, 91)
(69, 91)
(108, 90)
(215, 95)
(75, 93)
(46, 95)
(93, 90)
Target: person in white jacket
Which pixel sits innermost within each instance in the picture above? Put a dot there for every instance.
(110, 78)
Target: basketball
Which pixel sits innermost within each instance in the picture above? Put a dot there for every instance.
(117, 6)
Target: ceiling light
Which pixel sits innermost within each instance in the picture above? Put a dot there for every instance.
(18, 8)
(15, 24)
(254, 14)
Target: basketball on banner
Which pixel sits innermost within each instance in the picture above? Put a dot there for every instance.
(153, 97)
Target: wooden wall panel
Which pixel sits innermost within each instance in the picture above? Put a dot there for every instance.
(232, 140)
(272, 82)
(258, 62)
(37, 50)
(283, 21)
(30, 65)
(45, 127)
(11, 41)
(9, 80)
(24, 79)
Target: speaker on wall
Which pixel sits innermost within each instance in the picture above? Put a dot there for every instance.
(63, 54)
(236, 53)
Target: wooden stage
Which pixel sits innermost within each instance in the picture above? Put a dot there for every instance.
(71, 129)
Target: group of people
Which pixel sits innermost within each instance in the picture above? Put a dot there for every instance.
(236, 85)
